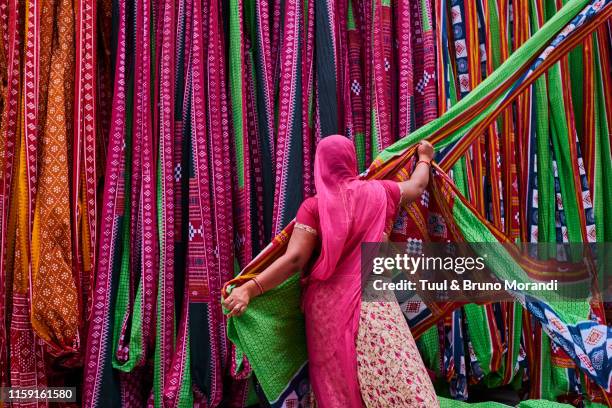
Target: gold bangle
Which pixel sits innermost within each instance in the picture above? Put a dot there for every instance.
(306, 228)
(261, 289)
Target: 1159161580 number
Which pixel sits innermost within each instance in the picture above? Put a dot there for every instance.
(32, 394)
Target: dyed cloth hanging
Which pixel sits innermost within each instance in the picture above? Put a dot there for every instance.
(568, 325)
(49, 143)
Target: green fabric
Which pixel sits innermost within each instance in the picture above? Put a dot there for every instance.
(350, 19)
(504, 266)
(546, 188)
(493, 21)
(251, 398)
(518, 329)
(271, 333)
(122, 301)
(547, 389)
(603, 165)
(236, 86)
(429, 349)
(542, 404)
(460, 176)
(480, 335)
(425, 17)
(374, 131)
(448, 403)
(589, 404)
(518, 59)
(561, 140)
(576, 65)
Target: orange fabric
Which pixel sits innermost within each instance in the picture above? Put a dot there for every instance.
(55, 302)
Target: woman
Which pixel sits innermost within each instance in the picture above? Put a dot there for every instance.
(359, 353)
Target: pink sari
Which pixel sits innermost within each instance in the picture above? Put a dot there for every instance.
(351, 211)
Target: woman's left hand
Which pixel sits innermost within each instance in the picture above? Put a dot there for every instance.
(425, 151)
(237, 301)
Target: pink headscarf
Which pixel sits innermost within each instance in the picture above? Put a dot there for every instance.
(348, 206)
(351, 211)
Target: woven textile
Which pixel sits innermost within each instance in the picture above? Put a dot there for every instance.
(460, 218)
(150, 149)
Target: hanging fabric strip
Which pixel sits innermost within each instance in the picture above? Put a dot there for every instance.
(105, 68)
(424, 61)
(84, 198)
(238, 80)
(149, 244)
(55, 314)
(167, 384)
(208, 371)
(327, 59)
(26, 351)
(167, 221)
(99, 384)
(9, 142)
(308, 95)
(381, 109)
(356, 83)
(135, 300)
(263, 63)
(289, 150)
(603, 168)
(219, 134)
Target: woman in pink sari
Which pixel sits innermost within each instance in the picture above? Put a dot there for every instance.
(360, 354)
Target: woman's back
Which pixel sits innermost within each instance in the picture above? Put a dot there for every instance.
(332, 296)
(308, 214)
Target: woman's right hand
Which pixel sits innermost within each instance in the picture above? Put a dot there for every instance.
(238, 300)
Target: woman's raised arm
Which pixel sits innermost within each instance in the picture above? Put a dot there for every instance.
(412, 189)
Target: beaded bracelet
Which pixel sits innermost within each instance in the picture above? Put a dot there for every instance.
(423, 161)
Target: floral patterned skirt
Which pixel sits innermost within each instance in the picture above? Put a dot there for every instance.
(390, 369)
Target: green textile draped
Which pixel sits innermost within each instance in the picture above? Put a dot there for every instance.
(273, 322)
(271, 333)
(448, 403)
(518, 59)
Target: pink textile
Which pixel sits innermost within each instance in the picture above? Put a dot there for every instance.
(350, 211)
(308, 213)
